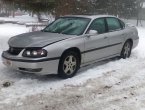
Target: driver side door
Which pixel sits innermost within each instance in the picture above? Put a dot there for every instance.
(96, 45)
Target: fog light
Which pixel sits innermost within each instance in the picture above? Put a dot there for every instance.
(31, 70)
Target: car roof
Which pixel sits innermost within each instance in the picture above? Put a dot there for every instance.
(90, 16)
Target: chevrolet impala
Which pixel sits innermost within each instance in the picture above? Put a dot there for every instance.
(70, 42)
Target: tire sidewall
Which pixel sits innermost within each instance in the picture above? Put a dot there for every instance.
(122, 52)
(61, 72)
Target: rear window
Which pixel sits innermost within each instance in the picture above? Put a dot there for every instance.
(113, 24)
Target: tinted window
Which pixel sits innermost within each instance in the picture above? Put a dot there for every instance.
(122, 24)
(113, 24)
(98, 25)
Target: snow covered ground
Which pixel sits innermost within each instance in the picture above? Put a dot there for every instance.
(134, 22)
(27, 19)
(22, 19)
(108, 85)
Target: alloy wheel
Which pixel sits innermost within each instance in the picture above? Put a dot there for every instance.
(127, 50)
(69, 65)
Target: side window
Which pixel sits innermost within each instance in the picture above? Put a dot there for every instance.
(113, 24)
(122, 24)
(98, 25)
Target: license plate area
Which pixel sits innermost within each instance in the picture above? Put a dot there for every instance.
(7, 63)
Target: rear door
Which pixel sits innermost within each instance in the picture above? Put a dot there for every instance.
(116, 35)
(96, 45)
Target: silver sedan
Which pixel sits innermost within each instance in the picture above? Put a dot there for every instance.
(69, 43)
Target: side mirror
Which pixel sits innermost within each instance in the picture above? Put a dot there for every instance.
(92, 32)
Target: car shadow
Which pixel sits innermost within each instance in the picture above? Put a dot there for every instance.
(100, 63)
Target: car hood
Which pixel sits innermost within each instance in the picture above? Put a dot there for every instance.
(36, 39)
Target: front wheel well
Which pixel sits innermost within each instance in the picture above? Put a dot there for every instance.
(130, 40)
(73, 49)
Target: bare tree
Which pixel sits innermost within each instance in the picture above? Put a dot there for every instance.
(139, 8)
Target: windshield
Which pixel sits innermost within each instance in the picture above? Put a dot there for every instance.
(68, 25)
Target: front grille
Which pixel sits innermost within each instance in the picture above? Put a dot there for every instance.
(15, 51)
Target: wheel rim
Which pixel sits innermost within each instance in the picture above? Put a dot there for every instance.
(127, 49)
(69, 65)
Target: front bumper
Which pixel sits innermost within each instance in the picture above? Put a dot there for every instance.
(41, 66)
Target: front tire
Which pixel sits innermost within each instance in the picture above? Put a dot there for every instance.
(69, 65)
(126, 50)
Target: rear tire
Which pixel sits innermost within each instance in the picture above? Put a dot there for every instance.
(68, 65)
(126, 50)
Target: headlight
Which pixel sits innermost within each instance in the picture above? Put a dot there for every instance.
(35, 53)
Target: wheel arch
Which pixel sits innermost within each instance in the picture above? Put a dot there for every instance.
(74, 49)
(130, 40)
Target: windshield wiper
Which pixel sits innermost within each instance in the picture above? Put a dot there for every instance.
(50, 31)
(44, 31)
